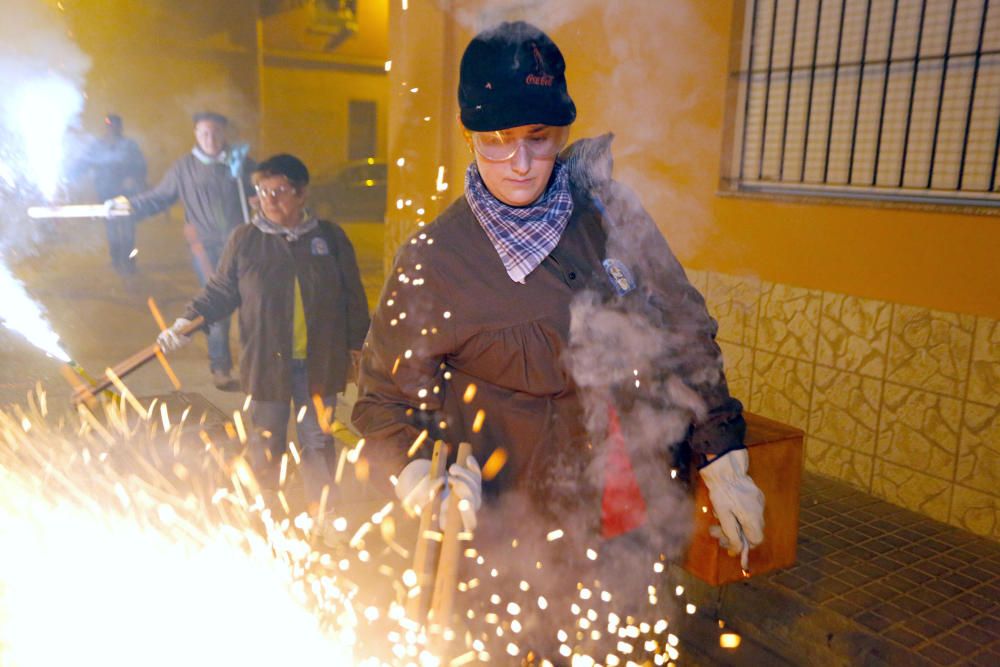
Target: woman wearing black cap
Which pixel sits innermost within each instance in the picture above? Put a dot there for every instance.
(543, 314)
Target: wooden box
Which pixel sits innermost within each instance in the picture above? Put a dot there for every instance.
(776, 467)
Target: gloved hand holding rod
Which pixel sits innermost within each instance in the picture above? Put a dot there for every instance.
(136, 361)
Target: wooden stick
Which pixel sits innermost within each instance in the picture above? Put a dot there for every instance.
(162, 358)
(82, 392)
(134, 362)
(446, 578)
(426, 551)
(157, 315)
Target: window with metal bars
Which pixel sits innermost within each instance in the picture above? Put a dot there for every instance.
(872, 99)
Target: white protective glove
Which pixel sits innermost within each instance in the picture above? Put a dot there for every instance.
(736, 500)
(466, 483)
(172, 339)
(415, 489)
(120, 203)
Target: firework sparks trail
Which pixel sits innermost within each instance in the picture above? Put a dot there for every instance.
(39, 112)
(20, 313)
(120, 545)
(119, 551)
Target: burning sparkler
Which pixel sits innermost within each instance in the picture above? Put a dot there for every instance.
(20, 313)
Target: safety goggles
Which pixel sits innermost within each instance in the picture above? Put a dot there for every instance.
(273, 193)
(543, 142)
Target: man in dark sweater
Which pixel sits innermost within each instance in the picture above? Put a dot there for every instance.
(212, 182)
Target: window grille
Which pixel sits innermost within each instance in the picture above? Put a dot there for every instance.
(883, 99)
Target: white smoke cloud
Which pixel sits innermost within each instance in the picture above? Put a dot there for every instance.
(42, 73)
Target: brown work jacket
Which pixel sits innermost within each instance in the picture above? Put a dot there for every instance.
(451, 318)
(257, 274)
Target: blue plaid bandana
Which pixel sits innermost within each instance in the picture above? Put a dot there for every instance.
(522, 235)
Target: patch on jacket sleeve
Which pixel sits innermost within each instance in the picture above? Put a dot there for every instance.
(319, 246)
(619, 275)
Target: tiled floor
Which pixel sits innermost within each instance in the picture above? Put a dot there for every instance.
(930, 588)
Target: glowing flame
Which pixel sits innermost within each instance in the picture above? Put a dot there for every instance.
(20, 313)
(72, 580)
(38, 113)
(101, 567)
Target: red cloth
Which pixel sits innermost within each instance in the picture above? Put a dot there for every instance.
(623, 508)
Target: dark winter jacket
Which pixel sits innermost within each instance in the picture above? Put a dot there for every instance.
(450, 317)
(118, 166)
(209, 193)
(257, 274)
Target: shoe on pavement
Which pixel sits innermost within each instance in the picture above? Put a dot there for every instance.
(224, 381)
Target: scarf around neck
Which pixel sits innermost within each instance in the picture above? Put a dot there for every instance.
(205, 158)
(523, 236)
(290, 234)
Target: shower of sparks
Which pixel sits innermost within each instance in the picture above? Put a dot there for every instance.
(38, 113)
(20, 313)
(121, 532)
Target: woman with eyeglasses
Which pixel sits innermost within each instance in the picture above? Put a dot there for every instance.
(296, 283)
(543, 319)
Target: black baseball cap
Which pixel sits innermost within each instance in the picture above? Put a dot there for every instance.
(512, 75)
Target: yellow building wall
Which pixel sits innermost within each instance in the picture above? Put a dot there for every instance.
(306, 113)
(874, 329)
(156, 63)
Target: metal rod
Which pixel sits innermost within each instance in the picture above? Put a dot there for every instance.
(767, 92)
(833, 96)
(788, 92)
(913, 89)
(809, 103)
(746, 102)
(885, 91)
(857, 94)
(940, 102)
(972, 94)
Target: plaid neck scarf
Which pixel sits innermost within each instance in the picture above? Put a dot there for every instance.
(523, 236)
(290, 234)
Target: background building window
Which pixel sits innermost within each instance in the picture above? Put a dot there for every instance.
(362, 129)
(883, 99)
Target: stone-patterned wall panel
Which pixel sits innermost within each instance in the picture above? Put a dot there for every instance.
(911, 489)
(976, 512)
(733, 301)
(930, 349)
(781, 388)
(919, 430)
(699, 279)
(738, 360)
(979, 449)
(845, 409)
(789, 320)
(844, 464)
(854, 334)
(984, 376)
